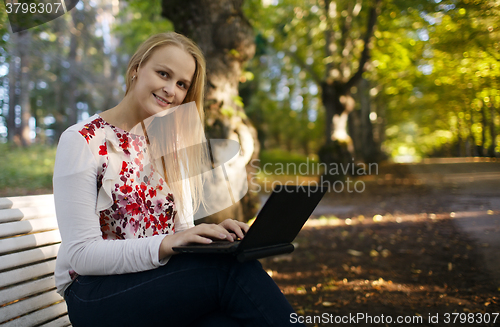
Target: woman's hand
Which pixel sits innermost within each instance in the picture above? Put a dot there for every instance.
(236, 228)
(203, 234)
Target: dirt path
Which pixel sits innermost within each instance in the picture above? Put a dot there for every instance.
(420, 241)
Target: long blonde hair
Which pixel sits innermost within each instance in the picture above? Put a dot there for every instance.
(193, 159)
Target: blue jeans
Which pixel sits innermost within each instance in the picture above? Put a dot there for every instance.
(190, 290)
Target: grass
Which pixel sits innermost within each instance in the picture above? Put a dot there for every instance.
(280, 156)
(279, 162)
(278, 167)
(26, 171)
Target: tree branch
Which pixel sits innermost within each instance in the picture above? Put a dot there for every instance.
(481, 46)
(365, 55)
(328, 38)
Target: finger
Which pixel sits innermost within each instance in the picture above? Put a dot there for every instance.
(244, 226)
(233, 226)
(186, 238)
(240, 228)
(200, 239)
(215, 231)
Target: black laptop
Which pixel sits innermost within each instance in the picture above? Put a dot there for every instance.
(276, 226)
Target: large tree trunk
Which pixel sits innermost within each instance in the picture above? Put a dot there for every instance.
(338, 148)
(226, 38)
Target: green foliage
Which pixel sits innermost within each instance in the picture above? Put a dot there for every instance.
(287, 163)
(276, 156)
(281, 98)
(143, 20)
(436, 75)
(28, 169)
(4, 21)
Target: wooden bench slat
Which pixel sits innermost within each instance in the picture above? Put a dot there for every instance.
(39, 317)
(29, 241)
(21, 291)
(21, 258)
(28, 226)
(17, 214)
(26, 201)
(30, 304)
(59, 322)
(22, 274)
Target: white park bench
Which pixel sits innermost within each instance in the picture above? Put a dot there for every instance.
(29, 240)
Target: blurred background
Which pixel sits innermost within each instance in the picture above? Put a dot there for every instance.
(409, 91)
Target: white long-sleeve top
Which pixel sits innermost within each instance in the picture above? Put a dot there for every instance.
(113, 209)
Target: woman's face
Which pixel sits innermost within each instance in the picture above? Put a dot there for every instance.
(163, 81)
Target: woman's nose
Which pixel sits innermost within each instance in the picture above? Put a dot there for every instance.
(169, 89)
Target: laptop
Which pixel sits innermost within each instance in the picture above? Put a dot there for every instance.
(275, 227)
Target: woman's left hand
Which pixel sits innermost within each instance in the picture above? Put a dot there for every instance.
(237, 229)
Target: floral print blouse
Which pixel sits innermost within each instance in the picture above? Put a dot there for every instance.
(113, 208)
(141, 204)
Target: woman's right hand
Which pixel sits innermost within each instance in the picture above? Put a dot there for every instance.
(202, 233)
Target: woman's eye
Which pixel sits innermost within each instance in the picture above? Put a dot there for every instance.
(182, 85)
(163, 74)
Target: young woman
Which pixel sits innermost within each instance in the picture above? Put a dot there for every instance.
(119, 218)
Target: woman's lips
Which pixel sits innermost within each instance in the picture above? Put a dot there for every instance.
(161, 101)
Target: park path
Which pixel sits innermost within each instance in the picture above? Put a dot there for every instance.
(467, 192)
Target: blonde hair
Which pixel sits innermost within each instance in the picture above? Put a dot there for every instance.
(175, 169)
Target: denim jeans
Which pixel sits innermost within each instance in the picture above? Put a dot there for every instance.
(192, 290)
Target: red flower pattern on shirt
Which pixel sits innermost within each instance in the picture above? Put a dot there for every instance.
(139, 208)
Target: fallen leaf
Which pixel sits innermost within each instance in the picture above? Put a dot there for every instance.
(354, 253)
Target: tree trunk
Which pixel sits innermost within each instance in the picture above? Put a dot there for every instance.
(226, 38)
(59, 88)
(71, 109)
(24, 131)
(460, 142)
(338, 148)
(368, 147)
(484, 123)
(493, 135)
(13, 90)
(473, 150)
(336, 91)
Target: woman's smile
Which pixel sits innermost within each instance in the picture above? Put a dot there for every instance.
(162, 101)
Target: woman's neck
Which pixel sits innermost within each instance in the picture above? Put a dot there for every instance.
(125, 115)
